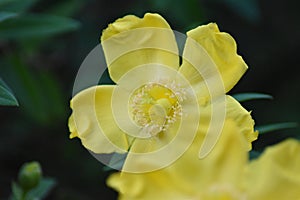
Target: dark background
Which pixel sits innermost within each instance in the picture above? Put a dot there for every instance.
(40, 69)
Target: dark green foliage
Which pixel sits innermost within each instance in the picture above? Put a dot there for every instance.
(35, 26)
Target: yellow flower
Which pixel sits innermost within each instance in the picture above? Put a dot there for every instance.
(225, 174)
(158, 106)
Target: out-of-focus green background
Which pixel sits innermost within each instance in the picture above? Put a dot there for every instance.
(43, 42)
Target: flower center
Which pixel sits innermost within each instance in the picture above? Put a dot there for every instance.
(155, 107)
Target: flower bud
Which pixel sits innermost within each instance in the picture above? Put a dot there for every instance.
(30, 175)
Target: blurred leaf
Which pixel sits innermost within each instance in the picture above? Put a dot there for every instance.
(38, 91)
(63, 8)
(275, 127)
(17, 192)
(241, 97)
(42, 190)
(35, 25)
(53, 100)
(6, 15)
(16, 5)
(26, 86)
(6, 96)
(248, 9)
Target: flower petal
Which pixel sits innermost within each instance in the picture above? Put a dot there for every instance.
(92, 121)
(222, 109)
(132, 41)
(221, 47)
(222, 167)
(139, 186)
(243, 120)
(275, 175)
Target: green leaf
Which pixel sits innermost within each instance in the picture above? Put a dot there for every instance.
(35, 26)
(16, 5)
(6, 96)
(39, 91)
(17, 192)
(42, 190)
(242, 97)
(6, 15)
(275, 127)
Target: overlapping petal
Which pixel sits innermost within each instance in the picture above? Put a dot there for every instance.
(190, 177)
(226, 173)
(223, 167)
